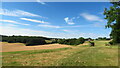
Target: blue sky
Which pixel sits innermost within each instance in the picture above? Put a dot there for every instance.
(54, 19)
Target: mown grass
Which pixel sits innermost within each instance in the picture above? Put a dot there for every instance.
(35, 51)
(91, 57)
(100, 55)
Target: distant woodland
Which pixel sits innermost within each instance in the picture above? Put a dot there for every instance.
(38, 40)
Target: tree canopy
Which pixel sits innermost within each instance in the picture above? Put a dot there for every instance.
(72, 41)
(112, 15)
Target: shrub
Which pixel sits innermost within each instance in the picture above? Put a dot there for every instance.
(35, 41)
(11, 40)
(28, 40)
(73, 41)
(54, 41)
(111, 43)
(92, 44)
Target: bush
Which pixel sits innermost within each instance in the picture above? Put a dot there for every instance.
(28, 40)
(54, 41)
(103, 38)
(111, 43)
(73, 41)
(92, 44)
(11, 40)
(35, 41)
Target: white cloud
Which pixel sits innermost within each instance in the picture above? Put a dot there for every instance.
(91, 17)
(71, 31)
(69, 21)
(96, 24)
(73, 26)
(66, 30)
(32, 20)
(10, 30)
(39, 1)
(18, 13)
(12, 25)
(14, 22)
(49, 26)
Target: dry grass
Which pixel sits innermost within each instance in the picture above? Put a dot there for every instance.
(63, 55)
(10, 47)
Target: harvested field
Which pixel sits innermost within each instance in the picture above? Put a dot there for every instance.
(10, 47)
(17, 54)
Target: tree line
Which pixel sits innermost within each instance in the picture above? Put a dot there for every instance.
(103, 38)
(27, 40)
(38, 40)
(73, 41)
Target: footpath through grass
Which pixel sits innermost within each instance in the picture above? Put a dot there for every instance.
(100, 55)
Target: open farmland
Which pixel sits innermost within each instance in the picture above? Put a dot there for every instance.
(10, 47)
(60, 55)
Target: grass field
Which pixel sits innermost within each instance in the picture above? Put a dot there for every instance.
(81, 55)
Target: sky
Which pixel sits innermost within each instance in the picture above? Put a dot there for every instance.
(54, 19)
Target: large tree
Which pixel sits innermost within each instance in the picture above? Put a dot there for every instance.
(113, 17)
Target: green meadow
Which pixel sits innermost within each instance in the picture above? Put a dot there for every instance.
(82, 55)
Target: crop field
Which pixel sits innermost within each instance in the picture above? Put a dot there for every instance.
(12, 47)
(60, 55)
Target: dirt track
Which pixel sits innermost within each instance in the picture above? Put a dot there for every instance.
(9, 47)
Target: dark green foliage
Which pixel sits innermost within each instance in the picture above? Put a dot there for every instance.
(87, 39)
(82, 40)
(61, 41)
(35, 41)
(11, 40)
(4, 38)
(28, 40)
(103, 38)
(92, 43)
(111, 42)
(54, 41)
(73, 41)
(113, 17)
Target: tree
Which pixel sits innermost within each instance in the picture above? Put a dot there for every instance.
(28, 40)
(113, 17)
(72, 41)
(81, 40)
(35, 41)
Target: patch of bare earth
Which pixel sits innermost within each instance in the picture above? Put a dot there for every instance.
(10, 47)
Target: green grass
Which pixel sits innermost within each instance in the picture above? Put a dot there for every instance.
(100, 55)
(88, 57)
(35, 51)
(48, 41)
